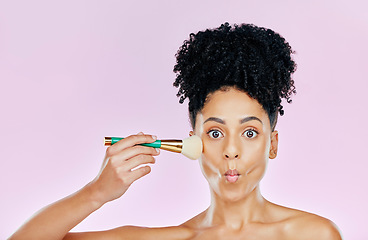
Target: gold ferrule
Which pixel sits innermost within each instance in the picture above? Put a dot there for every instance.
(107, 141)
(172, 145)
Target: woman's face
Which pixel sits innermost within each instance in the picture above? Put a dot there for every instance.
(237, 143)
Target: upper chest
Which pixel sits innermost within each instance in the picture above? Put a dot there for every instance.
(253, 232)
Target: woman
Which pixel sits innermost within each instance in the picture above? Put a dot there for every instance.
(235, 78)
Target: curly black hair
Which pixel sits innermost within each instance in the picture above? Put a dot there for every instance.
(252, 59)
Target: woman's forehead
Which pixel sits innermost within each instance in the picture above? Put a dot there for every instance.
(233, 108)
(232, 103)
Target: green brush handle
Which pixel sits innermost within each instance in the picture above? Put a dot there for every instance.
(155, 144)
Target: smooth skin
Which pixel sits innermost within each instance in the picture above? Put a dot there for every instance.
(236, 134)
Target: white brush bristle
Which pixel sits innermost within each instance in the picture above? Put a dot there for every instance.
(192, 147)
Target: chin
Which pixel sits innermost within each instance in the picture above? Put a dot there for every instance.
(232, 192)
(232, 196)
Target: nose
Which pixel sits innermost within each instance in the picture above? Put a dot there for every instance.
(232, 149)
(230, 156)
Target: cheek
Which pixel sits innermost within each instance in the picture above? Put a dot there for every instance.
(255, 154)
(258, 148)
(211, 157)
(210, 166)
(257, 159)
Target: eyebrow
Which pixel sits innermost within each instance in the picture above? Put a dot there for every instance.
(246, 119)
(215, 119)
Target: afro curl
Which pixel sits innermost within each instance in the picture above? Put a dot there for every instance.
(252, 59)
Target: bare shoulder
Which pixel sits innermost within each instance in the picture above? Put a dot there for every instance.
(303, 225)
(312, 226)
(136, 233)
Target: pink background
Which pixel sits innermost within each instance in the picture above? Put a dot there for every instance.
(73, 72)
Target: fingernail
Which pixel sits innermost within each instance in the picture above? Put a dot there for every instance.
(140, 133)
(157, 150)
(154, 137)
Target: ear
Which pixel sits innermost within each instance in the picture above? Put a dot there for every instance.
(191, 133)
(274, 144)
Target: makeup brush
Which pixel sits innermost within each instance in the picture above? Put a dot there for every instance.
(190, 147)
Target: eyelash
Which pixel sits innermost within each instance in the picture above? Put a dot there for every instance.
(251, 129)
(214, 130)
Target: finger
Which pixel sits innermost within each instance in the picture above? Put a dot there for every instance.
(134, 140)
(126, 154)
(139, 172)
(129, 142)
(138, 160)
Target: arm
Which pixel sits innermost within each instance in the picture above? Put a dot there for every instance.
(114, 179)
(136, 233)
(55, 220)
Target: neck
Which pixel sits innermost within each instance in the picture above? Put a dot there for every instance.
(235, 214)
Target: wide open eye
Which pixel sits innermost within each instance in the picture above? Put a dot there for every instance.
(215, 134)
(250, 133)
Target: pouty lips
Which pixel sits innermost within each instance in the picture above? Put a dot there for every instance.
(232, 175)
